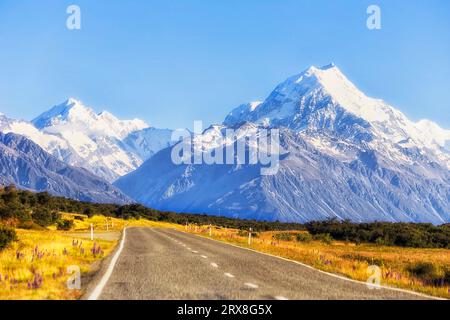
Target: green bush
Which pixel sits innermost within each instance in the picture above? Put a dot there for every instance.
(416, 235)
(44, 217)
(64, 224)
(7, 235)
(324, 237)
(304, 237)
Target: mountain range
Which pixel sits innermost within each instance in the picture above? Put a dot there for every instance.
(28, 166)
(98, 142)
(343, 155)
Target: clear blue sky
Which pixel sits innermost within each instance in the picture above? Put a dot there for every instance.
(173, 62)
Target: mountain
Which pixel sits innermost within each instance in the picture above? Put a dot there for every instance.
(28, 166)
(100, 143)
(342, 155)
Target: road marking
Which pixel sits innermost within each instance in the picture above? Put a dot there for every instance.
(193, 251)
(204, 257)
(251, 285)
(229, 275)
(321, 271)
(188, 248)
(214, 265)
(101, 285)
(280, 298)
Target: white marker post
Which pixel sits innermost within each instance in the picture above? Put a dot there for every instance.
(186, 227)
(250, 237)
(92, 232)
(210, 231)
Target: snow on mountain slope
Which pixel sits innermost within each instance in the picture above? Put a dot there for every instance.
(344, 155)
(146, 142)
(72, 115)
(101, 143)
(321, 100)
(28, 166)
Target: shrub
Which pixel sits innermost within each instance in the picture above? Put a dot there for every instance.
(7, 235)
(284, 236)
(304, 237)
(423, 270)
(244, 233)
(324, 237)
(64, 224)
(44, 217)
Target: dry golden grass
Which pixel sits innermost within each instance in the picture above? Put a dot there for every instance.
(47, 254)
(347, 259)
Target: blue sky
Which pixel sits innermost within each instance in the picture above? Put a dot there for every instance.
(173, 62)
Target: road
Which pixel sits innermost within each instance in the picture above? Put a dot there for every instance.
(169, 264)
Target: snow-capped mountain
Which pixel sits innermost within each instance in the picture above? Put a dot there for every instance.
(28, 166)
(98, 142)
(343, 155)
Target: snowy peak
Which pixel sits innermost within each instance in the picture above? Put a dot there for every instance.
(99, 142)
(329, 81)
(69, 110)
(72, 115)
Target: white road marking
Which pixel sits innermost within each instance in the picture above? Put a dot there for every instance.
(214, 265)
(318, 270)
(280, 298)
(251, 285)
(101, 285)
(188, 248)
(204, 257)
(229, 275)
(193, 251)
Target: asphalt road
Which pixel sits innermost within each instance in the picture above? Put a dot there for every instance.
(169, 264)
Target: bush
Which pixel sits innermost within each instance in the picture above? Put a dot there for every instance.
(7, 235)
(430, 274)
(44, 217)
(284, 236)
(304, 237)
(423, 270)
(324, 237)
(416, 235)
(64, 224)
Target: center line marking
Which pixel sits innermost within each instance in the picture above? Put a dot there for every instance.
(229, 275)
(204, 257)
(251, 285)
(281, 298)
(193, 251)
(215, 265)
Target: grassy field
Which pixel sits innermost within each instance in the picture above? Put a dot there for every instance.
(421, 270)
(35, 266)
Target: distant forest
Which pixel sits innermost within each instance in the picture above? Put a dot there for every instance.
(25, 209)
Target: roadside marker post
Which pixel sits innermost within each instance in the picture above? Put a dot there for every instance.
(92, 232)
(250, 237)
(210, 231)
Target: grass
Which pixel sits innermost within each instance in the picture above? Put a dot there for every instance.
(35, 266)
(421, 270)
